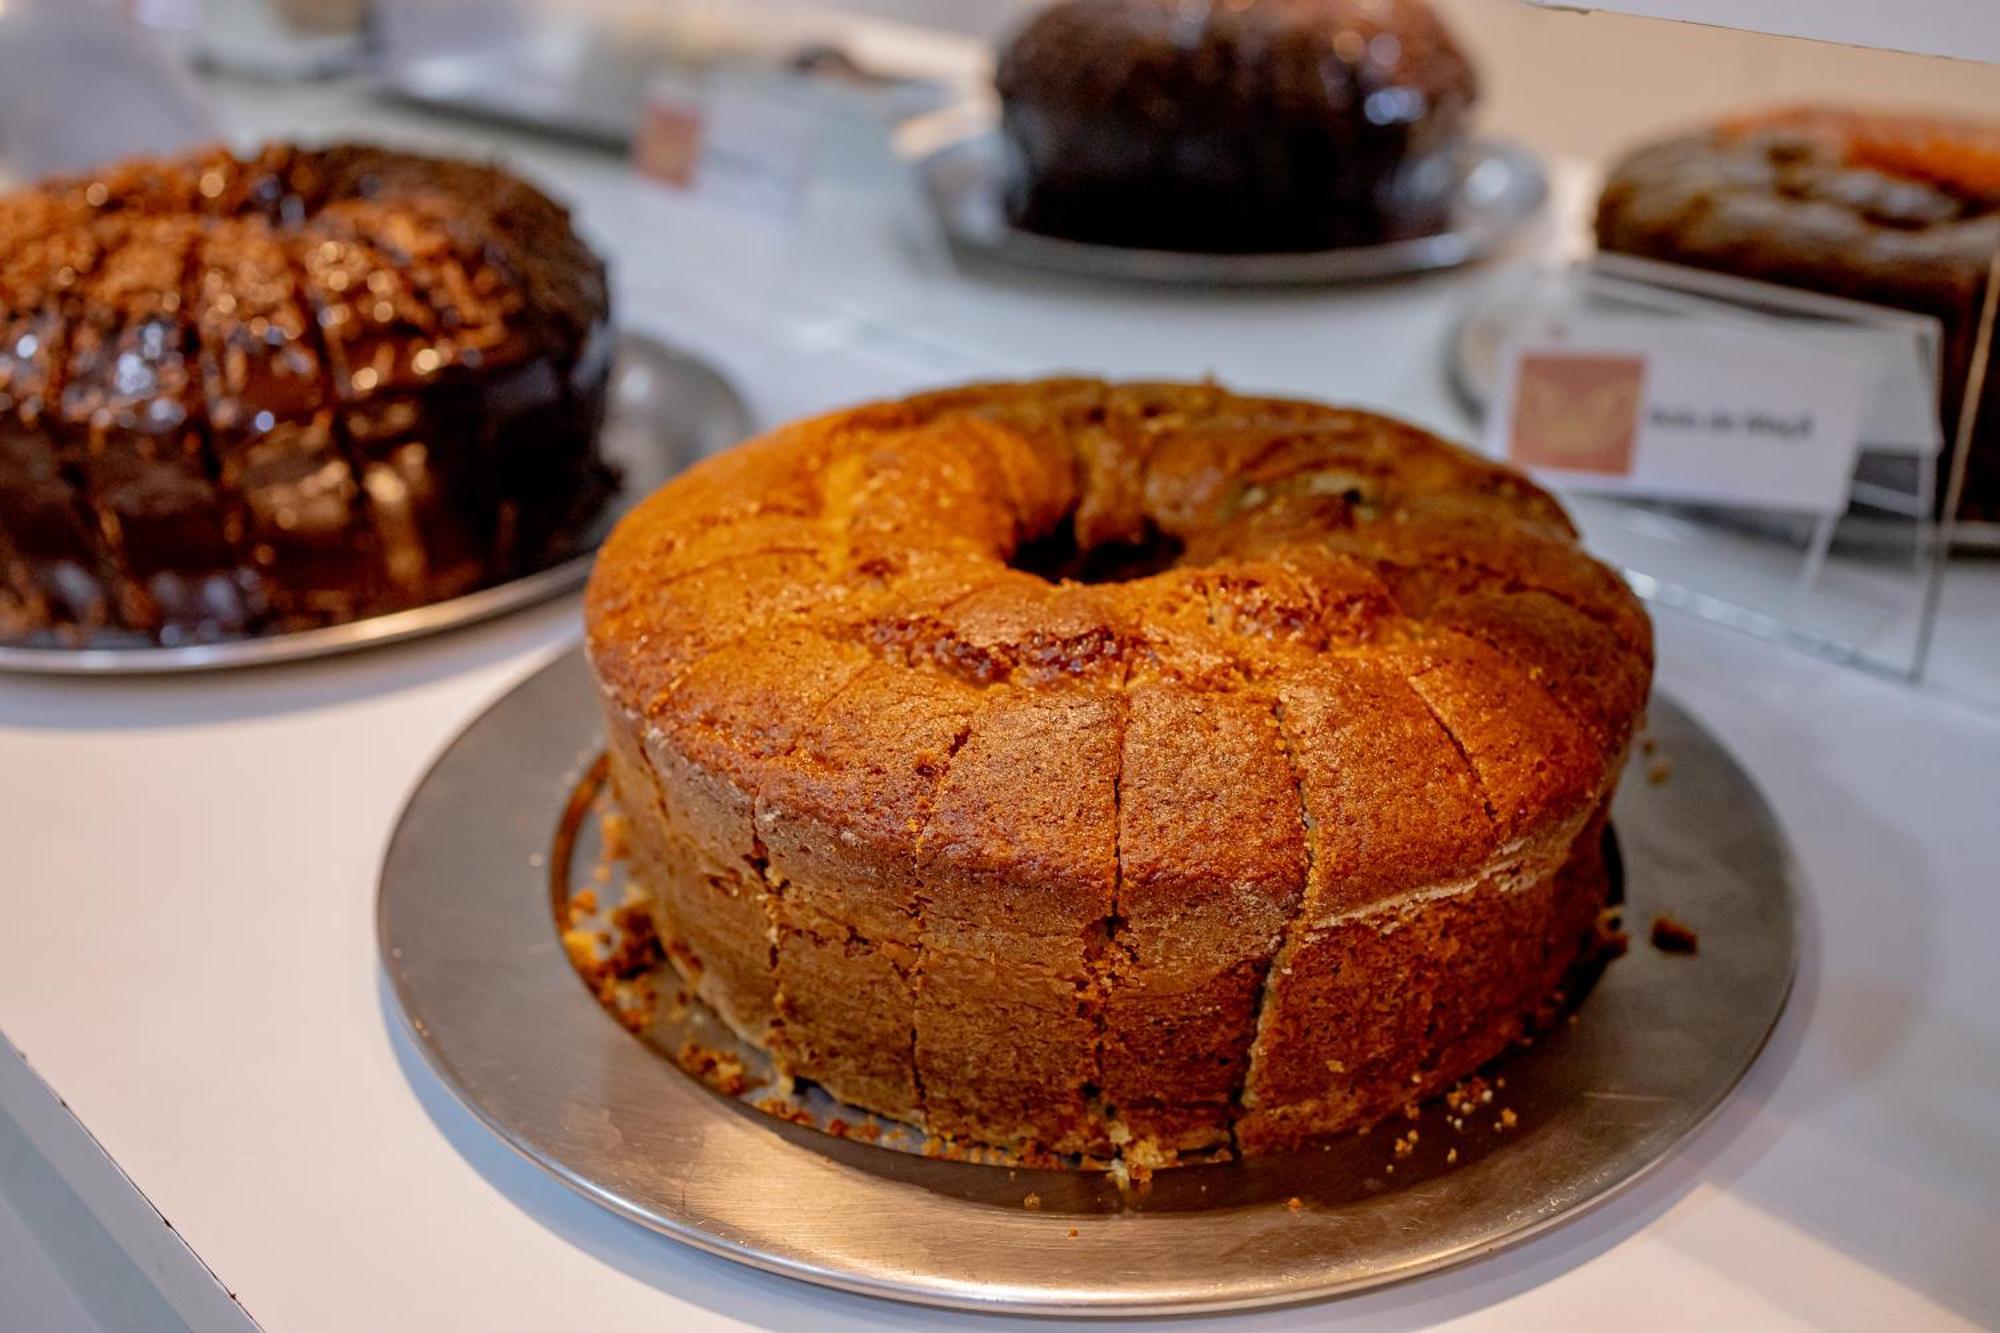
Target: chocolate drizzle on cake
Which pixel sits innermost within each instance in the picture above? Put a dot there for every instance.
(262, 393)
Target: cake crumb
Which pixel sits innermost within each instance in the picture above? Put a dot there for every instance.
(1451, 1157)
(1507, 1119)
(1032, 1202)
(1474, 1091)
(616, 832)
(1610, 939)
(1658, 772)
(1670, 936)
(1073, 1233)
(718, 1069)
(1295, 1203)
(638, 949)
(581, 945)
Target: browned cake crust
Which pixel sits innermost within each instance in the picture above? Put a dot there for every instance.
(1257, 125)
(1899, 210)
(1135, 768)
(240, 394)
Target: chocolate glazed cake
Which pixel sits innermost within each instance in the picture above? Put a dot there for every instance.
(1895, 210)
(1139, 769)
(1233, 125)
(265, 393)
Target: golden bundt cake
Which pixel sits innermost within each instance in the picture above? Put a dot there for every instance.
(1105, 768)
(241, 394)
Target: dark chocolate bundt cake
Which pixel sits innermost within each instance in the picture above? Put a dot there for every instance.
(1233, 125)
(240, 394)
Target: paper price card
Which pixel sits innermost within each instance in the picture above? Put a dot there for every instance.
(1683, 410)
(745, 144)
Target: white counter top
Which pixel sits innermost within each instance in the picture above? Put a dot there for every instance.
(191, 963)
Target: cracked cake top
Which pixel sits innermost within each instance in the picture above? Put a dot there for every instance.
(810, 619)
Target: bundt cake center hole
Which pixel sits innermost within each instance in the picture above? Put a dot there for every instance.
(1058, 558)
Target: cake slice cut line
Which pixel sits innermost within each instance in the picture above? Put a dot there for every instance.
(1246, 1097)
(149, 242)
(1458, 746)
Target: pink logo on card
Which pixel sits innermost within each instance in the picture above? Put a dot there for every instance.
(1577, 412)
(667, 146)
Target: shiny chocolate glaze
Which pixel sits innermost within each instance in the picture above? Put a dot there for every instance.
(1233, 125)
(247, 394)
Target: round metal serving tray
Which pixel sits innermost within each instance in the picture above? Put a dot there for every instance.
(470, 944)
(666, 410)
(1500, 189)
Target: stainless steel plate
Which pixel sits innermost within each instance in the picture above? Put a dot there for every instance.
(468, 939)
(1501, 187)
(667, 409)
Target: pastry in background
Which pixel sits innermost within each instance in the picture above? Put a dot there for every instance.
(1898, 210)
(1258, 125)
